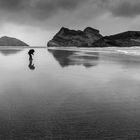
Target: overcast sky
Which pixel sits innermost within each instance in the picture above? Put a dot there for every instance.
(36, 21)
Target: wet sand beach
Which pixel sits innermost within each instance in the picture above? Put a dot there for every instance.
(70, 94)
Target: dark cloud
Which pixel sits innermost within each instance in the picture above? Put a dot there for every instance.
(36, 12)
(38, 4)
(11, 4)
(45, 9)
(126, 8)
(39, 12)
(38, 8)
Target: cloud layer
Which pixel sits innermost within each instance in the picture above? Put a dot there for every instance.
(38, 11)
(125, 8)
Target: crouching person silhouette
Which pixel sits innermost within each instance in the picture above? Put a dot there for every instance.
(31, 65)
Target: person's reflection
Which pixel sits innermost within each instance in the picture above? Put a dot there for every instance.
(31, 65)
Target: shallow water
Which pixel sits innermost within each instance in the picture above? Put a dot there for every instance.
(70, 94)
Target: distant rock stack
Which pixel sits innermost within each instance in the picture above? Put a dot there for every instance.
(8, 41)
(125, 39)
(70, 38)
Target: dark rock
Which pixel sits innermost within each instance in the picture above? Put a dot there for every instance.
(72, 38)
(92, 38)
(8, 41)
(125, 39)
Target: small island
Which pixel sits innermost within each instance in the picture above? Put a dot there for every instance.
(91, 37)
(9, 41)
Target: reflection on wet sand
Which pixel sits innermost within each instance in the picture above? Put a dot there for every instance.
(74, 103)
(68, 58)
(76, 118)
(31, 64)
(127, 61)
(9, 52)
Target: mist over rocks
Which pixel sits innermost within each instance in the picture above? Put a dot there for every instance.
(9, 41)
(69, 38)
(91, 37)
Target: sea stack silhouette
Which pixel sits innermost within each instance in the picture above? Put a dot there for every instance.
(91, 37)
(9, 41)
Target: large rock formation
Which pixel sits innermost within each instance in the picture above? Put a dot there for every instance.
(8, 41)
(125, 39)
(69, 38)
(92, 38)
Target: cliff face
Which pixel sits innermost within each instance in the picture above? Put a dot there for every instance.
(66, 37)
(8, 41)
(125, 39)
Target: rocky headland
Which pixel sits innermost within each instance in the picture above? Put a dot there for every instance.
(92, 38)
(70, 38)
(9, 41)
